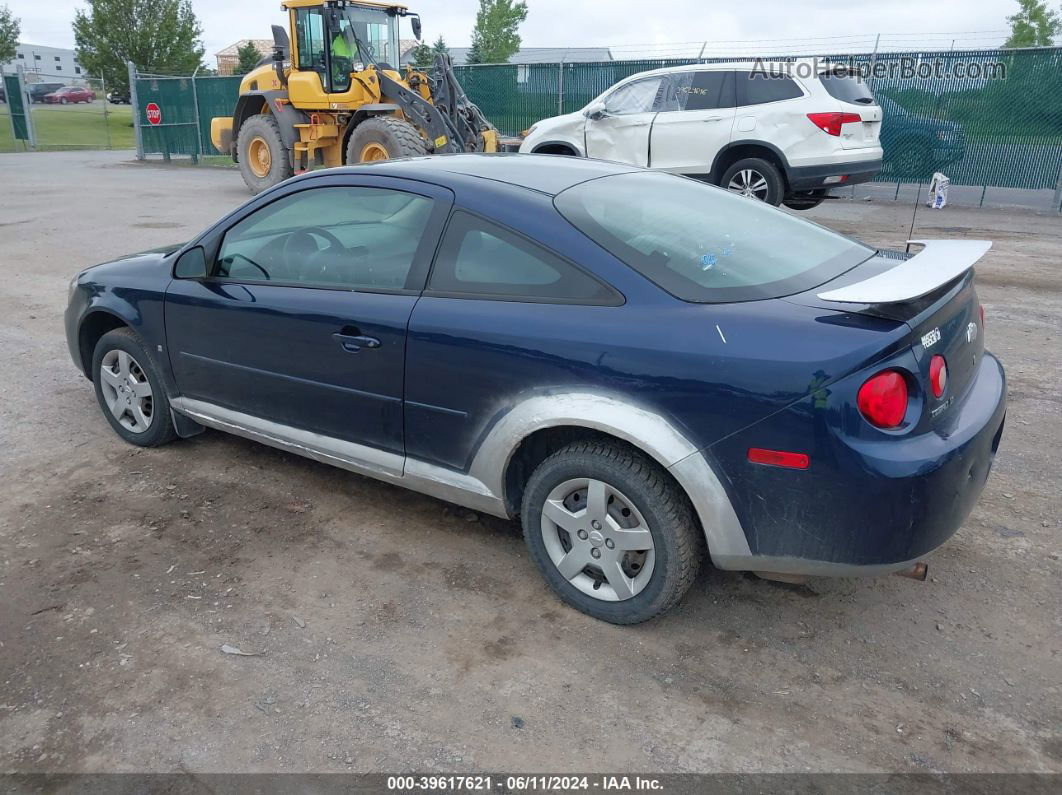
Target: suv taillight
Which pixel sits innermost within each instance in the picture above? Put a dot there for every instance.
(882, 400)
(830, 123)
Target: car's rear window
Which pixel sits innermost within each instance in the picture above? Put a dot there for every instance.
(847, 87)
(703, 244)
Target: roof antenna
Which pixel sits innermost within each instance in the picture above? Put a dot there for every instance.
(914, 213)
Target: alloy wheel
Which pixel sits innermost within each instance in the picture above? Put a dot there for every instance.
(598, 539)
(126, 391)
(749, 182)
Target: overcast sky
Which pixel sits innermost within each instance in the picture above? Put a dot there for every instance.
(616, 23)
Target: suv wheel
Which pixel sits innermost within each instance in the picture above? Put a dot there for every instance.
(130, 391)
(612, 535)
(755, 178)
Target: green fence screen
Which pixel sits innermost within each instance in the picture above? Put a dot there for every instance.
(16, 107)
(991, 117)
(174, 113)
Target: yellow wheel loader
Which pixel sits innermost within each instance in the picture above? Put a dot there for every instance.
(331, 94)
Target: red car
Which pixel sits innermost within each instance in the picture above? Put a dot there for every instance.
(68, 94)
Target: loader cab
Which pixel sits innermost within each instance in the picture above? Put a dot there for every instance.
(325, 54)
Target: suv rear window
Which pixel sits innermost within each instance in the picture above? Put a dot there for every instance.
(703, 244)
(757, 88)
(846, 87)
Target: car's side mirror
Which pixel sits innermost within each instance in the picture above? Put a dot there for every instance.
(596, 111)
(191, 264)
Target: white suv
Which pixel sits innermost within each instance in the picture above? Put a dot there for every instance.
(779, 132)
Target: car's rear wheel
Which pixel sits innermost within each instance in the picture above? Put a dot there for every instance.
(612, 535)
(384, 138)
(755, 178)
(262, 156)
(130, 391)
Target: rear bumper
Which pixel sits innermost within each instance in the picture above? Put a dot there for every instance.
(869, 507)
(804, 178)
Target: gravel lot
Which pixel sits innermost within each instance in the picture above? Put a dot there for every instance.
(401, 633)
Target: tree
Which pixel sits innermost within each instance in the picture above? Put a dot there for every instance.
(495, 38)
(247, 58)
(1035, 25)
(422, 56)
(9, 32)
(439, 47)
(159, 36)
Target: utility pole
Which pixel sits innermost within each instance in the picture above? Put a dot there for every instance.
(136, 110)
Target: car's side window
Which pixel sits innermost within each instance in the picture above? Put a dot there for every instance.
(641, 96)
(340, 237)
(478, 258)
(757, 88)
(702, 91)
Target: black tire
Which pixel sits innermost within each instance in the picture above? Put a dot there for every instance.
(265, 129)
(806, 200)
(160, 430)
(677, 541)
(775, 184)
(385, 134)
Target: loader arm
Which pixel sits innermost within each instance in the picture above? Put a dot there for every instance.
(450, 98)
(439, 130)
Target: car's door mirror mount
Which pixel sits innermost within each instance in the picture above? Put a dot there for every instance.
(191, 264)
(596, 110)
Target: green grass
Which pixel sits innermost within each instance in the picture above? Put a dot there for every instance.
(74, 127)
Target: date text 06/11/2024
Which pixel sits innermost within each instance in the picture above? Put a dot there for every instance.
(525, 783)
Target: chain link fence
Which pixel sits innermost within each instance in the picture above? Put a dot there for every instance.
(985, 117)
(42, 111)
(172, 114)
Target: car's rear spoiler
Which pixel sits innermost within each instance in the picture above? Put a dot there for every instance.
(936, 264)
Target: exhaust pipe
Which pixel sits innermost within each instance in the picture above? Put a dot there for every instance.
(919, 572)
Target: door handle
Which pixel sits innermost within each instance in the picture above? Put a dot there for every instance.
(714, 118)
(352, 343)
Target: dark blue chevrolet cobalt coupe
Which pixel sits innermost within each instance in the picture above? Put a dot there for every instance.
(639, 366)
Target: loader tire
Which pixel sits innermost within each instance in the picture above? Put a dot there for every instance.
(262, 156)
(384, 138)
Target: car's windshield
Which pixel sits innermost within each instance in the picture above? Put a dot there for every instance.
(703, 244)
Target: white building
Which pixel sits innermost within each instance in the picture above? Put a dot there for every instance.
(45, 64)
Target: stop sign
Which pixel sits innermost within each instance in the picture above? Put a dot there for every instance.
(154, 113)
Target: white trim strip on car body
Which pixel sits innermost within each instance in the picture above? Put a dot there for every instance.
(483, 488)
(935, 265)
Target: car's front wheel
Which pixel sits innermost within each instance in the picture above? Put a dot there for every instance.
(130, 391)
(755, 178)
(611, 533)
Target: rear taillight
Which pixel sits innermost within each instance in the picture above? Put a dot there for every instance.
(938, 375)
(882, 400)
(830, 123)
